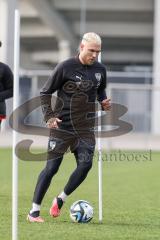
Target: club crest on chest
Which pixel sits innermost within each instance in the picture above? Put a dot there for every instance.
(98, 78)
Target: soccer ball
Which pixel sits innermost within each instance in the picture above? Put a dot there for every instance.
(81, 211)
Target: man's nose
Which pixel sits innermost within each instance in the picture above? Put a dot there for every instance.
(94, 54)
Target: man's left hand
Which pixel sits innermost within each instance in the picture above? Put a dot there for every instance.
(106, 104)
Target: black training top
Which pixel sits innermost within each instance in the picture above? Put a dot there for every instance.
(6, 87)
(78, 86)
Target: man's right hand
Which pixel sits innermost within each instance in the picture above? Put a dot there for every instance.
(53, 122)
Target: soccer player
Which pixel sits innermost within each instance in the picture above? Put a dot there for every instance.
(6, 87)
(79, 81)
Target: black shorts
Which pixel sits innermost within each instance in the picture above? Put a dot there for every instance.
(62, 141)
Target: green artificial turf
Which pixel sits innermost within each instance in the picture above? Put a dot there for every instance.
(131, 199)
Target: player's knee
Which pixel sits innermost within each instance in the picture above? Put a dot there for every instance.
(87, 165)
(52, 170)
(85, 160)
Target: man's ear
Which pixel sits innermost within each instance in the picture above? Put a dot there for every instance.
(81, 46)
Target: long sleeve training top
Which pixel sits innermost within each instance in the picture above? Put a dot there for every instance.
(78, 86)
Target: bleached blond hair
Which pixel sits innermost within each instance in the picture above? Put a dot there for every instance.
(91, 37)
